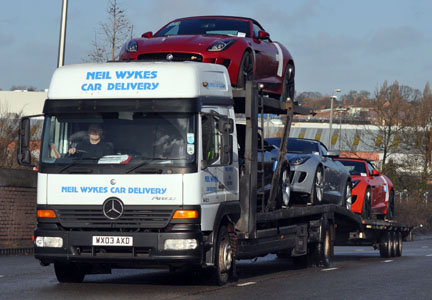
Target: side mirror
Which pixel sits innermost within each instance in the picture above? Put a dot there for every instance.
(332, 154)
(226, 127)
(263, 35)
(375, 172)
(24, 156)
(147, 35)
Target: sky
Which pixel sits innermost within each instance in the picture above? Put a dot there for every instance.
(336, 44)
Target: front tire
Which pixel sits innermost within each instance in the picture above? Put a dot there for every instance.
(317, 193)
(224, 259)
(285, 187)
(246, 70)
(347, 197)
(367, 205)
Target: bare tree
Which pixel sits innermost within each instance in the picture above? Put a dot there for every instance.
(390, 120)
(418, 138)
(111, 35)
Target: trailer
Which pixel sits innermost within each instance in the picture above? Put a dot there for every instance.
(307, 234)
(176, 184)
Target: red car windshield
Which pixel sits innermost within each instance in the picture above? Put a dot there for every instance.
(354, 167)
(206, 26)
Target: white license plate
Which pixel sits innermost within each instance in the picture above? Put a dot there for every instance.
(112, 241)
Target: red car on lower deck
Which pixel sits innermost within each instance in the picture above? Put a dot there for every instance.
(373, 192)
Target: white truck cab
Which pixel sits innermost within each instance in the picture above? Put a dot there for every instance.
(138, 166)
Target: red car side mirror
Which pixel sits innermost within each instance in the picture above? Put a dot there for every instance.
(263, 35)
(375, 172)
(147, 35)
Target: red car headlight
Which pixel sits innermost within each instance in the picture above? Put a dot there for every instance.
(220, 45)
(132, 46)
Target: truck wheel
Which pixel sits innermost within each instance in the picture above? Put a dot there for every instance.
(399, 244)
(224, 257)
(317, 192)
(69, 272)
(245, 70)
(394, 243)
(390, 208)
(323, 252)
(385, 245)
(367, 205)
(288, 87)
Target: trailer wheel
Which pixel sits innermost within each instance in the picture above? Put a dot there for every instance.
(224, 262)
(69, 272)
(385, 245)
(367, 205)
(246, 70)
(317, 192)
(399, 244)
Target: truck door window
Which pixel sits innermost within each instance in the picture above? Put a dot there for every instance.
(210, 139)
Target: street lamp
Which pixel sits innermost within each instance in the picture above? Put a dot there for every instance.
(62, 38)
(331, 113)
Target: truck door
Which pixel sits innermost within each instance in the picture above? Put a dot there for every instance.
(219, 175)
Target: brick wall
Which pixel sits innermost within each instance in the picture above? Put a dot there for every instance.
(17, 208)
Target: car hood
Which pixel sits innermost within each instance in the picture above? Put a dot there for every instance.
(184, 43)
(295, 155)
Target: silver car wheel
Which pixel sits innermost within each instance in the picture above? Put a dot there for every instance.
(348, 196)
(286, 188)
(319, 185)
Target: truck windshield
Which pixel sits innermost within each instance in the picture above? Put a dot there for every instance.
(119, 138)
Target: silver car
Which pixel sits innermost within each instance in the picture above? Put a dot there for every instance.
(315, 177)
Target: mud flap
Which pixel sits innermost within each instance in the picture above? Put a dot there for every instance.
(301, 241)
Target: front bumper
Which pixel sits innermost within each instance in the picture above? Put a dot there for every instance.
(147, 249)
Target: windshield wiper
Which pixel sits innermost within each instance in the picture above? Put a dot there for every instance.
(148, 161)
(81, 170)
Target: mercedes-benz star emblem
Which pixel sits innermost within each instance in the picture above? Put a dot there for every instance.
(113, 208)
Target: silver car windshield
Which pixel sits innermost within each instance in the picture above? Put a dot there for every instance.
(120, 137)
(302, 146)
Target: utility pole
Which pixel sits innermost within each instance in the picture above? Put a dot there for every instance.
(62, 38)
(331, 115)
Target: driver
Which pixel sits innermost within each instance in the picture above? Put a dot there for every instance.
(94, 146)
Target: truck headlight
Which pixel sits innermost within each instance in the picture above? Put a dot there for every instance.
(49, 241)
(180, 244)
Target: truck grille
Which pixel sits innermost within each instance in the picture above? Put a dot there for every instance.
(132, 218)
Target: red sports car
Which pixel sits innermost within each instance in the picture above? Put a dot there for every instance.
(240, 44)
(372, 192)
